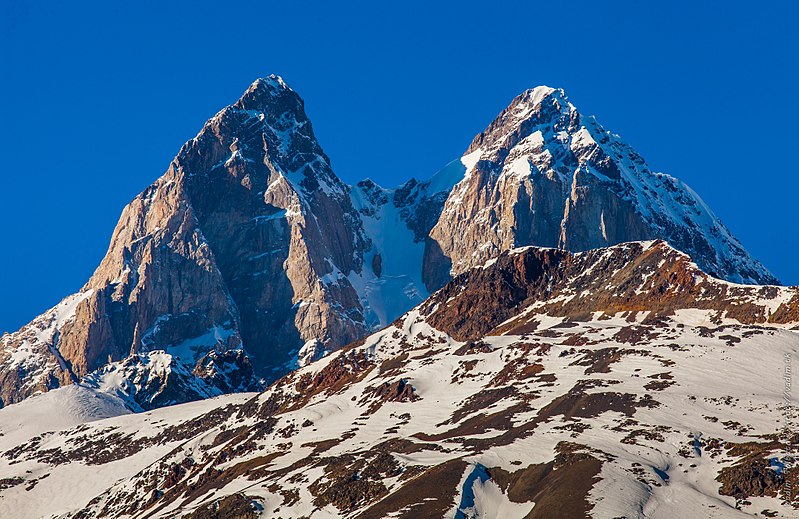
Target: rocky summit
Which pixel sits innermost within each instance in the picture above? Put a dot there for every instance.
(543, 174)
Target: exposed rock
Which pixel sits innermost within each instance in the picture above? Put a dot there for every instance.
(547, 411)
(634, 277)
(236, 506)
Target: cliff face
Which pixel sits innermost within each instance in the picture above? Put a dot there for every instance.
(249, 257)
(543, 174)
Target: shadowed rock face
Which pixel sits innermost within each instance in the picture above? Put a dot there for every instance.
(254, 220)
(249, 241)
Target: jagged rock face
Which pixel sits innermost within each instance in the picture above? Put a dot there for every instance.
(158, 379)
(278, 222)
(542, 174)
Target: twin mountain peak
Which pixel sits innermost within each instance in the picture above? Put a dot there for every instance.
(250, 257)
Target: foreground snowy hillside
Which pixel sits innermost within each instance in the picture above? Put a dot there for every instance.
(620, 382)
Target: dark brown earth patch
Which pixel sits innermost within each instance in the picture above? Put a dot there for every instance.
(535, 348)
(635, 335)
(731, 340)
(236, 506)
(11, 482)
(473, 348)
(755, 475)
(398, 391)
(478, 424)
(577, 339)
(323, 445)
(559, 488)
(599, 361)
(579, 404)
(350, 483)
(430, 494)
(516, 370)
(478, 402)
(404, 446)
(346, 369)
(519, 326)
(463, 371)
(662, 376)
(393, 364)
(658, 385)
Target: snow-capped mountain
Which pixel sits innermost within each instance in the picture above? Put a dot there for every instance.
(249, 257)
(617, 382)
(543, 174)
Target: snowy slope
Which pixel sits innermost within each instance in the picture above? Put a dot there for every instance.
(391, 282)
(647, 394)
(55, 410)
(59, 494)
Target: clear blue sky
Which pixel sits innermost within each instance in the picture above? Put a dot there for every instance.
(96, 99)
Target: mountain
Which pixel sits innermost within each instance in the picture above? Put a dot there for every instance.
(238, 243)
(617, 382)
(249, 257)
(543, 174)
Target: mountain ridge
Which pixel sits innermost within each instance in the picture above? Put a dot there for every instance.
(249, 254)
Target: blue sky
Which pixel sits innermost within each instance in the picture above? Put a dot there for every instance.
(98, 97)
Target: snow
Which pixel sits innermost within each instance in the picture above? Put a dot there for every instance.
(470, 160)
(31, 350)
(537, 94)
(191, 350)
(446, 178)
(58, 409)
(63, 489)
(309, 352)
(491, 503)
(520, 168)
(399, 286)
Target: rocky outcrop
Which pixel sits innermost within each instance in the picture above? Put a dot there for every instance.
(647, 277)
